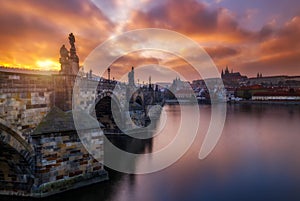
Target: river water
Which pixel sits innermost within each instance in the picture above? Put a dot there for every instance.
(256, 158)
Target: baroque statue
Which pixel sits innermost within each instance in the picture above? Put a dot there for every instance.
(64, 53)
(71, 39)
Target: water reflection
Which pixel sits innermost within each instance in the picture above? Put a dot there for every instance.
(257, 158)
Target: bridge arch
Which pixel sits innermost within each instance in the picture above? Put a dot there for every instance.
(111, 111)
(13, 138)
(103, 94)
(16, 161)
(139, 100)
(138, 97)
(105, 102)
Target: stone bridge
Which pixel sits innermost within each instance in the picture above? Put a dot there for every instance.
(124, 100)
(45, 156)
(41, 153)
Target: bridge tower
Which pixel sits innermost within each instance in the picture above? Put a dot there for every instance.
(64, 81)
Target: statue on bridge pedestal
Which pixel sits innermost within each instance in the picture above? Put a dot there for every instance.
(64, 53)
(131, 77)
(64, 59)
(68, 59)
(73, 54)
(64, 82)
(72, 39)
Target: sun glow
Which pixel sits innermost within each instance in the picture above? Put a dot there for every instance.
(47, 65)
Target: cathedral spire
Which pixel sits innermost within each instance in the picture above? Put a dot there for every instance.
(226, 70)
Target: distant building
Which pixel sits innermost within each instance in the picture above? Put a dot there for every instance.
(198, 84)
(179, 84)
(179, 89)
(232, 78)
(276, 96)
(281, 80)
(162, 85)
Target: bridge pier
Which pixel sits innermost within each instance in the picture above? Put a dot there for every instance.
(61, 160)
(54, 161)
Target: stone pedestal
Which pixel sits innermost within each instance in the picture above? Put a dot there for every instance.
(64, 82)
(63, 91)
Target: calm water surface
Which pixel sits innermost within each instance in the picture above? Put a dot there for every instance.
(257, 158)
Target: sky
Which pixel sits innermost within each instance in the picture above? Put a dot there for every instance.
(249, 36)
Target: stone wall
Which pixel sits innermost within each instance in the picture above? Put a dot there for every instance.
(63, 91)
(63, 163)
(24, 99)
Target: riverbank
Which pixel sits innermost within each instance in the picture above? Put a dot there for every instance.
(265, 102)
(207, 102)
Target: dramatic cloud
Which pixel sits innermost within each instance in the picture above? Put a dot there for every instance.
(279, 53)
(192, 18)
(33, 31)
(285, 39)
(220, 52)
(248, 36)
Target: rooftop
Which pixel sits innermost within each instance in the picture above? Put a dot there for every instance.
(59, 121)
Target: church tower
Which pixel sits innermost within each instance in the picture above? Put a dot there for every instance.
(226, 71)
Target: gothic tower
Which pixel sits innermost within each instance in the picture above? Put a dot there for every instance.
(226, 71)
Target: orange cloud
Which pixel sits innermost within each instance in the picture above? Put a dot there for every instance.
(193, 19)
(33, 31)
(278, 53)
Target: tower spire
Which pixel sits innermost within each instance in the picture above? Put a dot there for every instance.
(226, 70)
